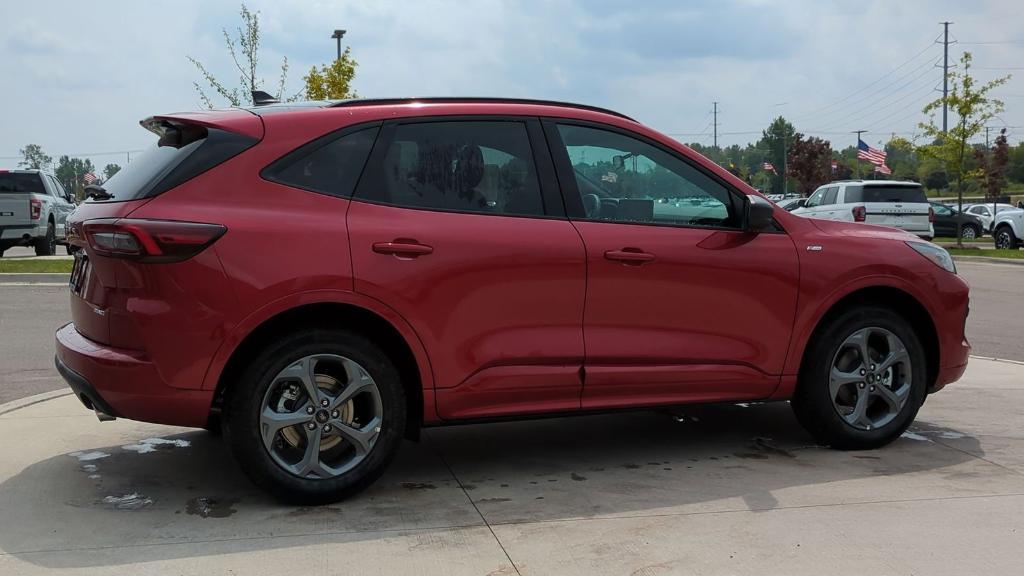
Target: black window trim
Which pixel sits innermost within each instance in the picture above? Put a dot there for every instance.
(570, 189)
(315, 145)
(551, 197)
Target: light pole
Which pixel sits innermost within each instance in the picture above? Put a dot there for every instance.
(338, 35)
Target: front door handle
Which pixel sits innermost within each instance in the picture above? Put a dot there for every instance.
(631, 256)
(403, 248)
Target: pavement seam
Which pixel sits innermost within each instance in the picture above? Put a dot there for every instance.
(994, 359)
(440, 455)
(25, 403)
(982, 458)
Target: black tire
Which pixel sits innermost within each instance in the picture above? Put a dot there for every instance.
(244, 403)
(1005, 239)
(47, 245)
(70, 249)
(968, 235)
(811, 402)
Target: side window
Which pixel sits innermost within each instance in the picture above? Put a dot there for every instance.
(942, 210)
(830, 195)
(815, 199)
(623, 179)
(57, 188)
(329, 165)
(466, 166)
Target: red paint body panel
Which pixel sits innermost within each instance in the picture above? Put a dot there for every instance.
(504, 315)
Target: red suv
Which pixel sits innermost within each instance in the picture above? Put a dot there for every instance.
(324, 279)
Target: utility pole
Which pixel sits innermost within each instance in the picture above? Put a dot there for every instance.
(986, 136)
(945, 71)
(857, 160)
(715, 123)
(785, 159)
(338, 35)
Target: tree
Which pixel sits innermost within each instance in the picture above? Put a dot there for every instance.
(994, 164)
(901, 157)
(33, 158)
(247, 42)
(332, 82)
(1015, 171)
(774, 141)
(809, 162)
(109, 170)
(973, 109)
(70, 172)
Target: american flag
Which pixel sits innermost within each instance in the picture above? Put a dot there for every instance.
(873, 155)
(883, 169)
(767, 166)
(89, 178)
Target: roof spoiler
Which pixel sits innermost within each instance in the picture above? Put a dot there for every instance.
(261, 98)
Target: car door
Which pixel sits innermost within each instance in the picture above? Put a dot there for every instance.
(62, 207)
(829, 209)
(812, 207)
(945, 220)
(682, 305)
(458, 225)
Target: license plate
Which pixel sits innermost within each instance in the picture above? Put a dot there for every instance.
(79, 273)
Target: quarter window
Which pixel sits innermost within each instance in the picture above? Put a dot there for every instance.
(465, 166)
(624, 179)
(330, 165)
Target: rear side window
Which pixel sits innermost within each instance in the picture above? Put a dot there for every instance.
(173, 161)
(465, 166)
(21, 183)
(329, 165)
(886, 194)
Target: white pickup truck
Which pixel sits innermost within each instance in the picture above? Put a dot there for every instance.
(1008, 229)
(34, 208)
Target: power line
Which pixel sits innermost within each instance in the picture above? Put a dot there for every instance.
(875, 105)
(81, 154)
(994, 42)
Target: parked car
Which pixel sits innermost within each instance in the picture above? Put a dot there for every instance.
(947, 218)
(987, 213)
(34, 209)
(1008, 229)
(885, 202)
(325, 279)
(790, 204)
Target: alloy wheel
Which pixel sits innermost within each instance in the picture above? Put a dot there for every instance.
(968, 233)
(870, 378)
(321, 416)
(1003, 240)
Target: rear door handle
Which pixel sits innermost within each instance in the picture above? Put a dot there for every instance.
(403, 248)
(632, 256)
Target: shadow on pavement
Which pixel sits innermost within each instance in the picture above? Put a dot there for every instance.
(182, 496)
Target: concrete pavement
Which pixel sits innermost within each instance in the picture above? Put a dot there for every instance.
(731, 490)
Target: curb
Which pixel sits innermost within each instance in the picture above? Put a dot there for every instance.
(990, 260)
(1017, 362)
(13, 405)
(36, 278)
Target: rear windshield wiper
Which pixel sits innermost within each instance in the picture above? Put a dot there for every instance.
(97, 192)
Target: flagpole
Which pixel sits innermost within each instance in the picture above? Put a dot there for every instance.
(857, 148)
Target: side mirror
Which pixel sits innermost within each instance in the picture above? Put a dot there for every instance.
(758, 215)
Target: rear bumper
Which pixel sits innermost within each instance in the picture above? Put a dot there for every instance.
(948, 375)
(124, 383)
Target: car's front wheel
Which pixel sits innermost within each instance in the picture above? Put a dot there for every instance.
(1006, 239)
(317, 416)
(969, 232)
(863, 381)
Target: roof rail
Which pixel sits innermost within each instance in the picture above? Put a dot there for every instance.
(470, 100)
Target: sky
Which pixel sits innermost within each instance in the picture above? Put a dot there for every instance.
(78, 76)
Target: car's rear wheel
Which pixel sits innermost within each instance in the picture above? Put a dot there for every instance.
(47, 245)
(1005, 238)
(317, 416)
(863, 381)
(969, 232)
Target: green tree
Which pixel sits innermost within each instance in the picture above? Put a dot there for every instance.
(109, 170)
(1015, 170)
(70, 172)
(901, 157)
(334, 81)
(244, 49)
(33, 158)
(774, 141)
(973, 109)
(809, 162)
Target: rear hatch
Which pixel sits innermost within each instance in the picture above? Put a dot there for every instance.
(898, 205)
(16, 189)
(117, 251)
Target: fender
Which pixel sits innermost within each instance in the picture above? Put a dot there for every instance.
(273, 308)
(807, 321)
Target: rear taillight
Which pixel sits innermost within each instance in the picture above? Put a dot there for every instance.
(931, 214)
(150, 240)
(860, 214)
(35, 208)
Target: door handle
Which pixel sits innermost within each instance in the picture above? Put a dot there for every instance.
(631, 256)
(403, 248)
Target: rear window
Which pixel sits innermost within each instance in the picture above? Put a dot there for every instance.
(21, 183)
(906, 194)
(170, 163)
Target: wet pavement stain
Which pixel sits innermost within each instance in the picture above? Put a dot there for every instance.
(133, 501)
(211, 507)
(751, 455)
(577, 477)
(469, 486)
(766, 445)
(489, 500)
(630, 466)
(417, 486)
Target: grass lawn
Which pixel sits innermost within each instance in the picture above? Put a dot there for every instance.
(1013, 254)
(28, 266)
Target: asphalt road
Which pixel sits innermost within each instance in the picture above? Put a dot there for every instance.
(30, 314)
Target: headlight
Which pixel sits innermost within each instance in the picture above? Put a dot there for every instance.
(937, 255)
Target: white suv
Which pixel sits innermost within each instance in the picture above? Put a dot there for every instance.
(892, 203)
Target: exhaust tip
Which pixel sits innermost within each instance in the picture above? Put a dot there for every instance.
(103, 416)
